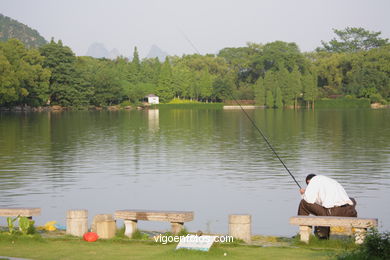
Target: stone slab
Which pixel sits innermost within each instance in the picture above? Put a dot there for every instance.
(24, 212)
(334, 221)
(154, 215)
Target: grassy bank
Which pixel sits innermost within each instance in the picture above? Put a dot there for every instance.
(70, 248)
(343, 102)
(190, 106)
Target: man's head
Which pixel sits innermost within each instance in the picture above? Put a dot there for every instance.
(309, 177)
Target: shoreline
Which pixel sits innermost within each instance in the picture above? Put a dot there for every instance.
(224, 106)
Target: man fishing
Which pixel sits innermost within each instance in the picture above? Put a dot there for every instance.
(324, 196)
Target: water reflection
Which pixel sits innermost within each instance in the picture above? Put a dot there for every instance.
(153, 119)
(210, 161)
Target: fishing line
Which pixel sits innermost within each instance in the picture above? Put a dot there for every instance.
(251, 120)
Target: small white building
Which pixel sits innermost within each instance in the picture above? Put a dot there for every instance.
(152, 99)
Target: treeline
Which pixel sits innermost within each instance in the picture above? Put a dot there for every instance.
(275, 74)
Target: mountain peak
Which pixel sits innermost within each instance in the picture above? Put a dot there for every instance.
(155, 51)
(98, 50)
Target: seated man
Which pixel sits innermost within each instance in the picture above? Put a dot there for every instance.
(325, 197)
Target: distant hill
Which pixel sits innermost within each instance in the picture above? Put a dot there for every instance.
(98, 50)
(155, 51)
(114, 53)
(10, 28)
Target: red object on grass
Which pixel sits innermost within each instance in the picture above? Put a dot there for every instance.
(90, 236)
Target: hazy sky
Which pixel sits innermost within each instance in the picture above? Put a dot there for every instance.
(210, 24)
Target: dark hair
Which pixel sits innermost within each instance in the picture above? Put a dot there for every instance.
(308, 177)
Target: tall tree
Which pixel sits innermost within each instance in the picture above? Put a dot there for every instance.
(295, 85)
(284, 79)
(134, 68)
(223, 88)
(24, 80)
(353, 39)
(136, 60)
(369, 75)
(271, 81)
(205, 85)
(269, 99)
(278, 98)
(107, 83)
(149, 71)
(310, 90)
(61, 61)
(331, 69)
(164, 85)
(181, 81)
(8, 82)
(260, 92)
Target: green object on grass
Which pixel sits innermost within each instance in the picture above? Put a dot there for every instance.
(25, 225)
(11, 225)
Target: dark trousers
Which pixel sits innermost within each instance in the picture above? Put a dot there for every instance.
(306, 209)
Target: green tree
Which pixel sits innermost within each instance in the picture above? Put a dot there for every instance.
(271, 81)
(150, 71)
(278, 55)
(269, 100)
(222, 88)
(331, 69)
(107, 84)
(369, 75)
(278, 98)
(260, 92)
(134, 68)
(353, 39)
(34, 79)
(295, 85)
(8, 82)
(205, 85)
(181, 81)
(136, 61)
(29, 81)
(164, 85)
(310, 90)
(61, 61)
(285, 83)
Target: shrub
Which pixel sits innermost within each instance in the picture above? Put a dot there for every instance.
(376, 246)
(183, 101)
(139, 235)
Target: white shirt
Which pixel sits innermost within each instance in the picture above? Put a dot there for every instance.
(326, 192)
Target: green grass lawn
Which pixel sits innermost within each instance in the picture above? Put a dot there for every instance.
(73, 248)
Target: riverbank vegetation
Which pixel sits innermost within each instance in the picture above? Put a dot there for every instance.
(56, 244)
(276, 74)
(68, 247)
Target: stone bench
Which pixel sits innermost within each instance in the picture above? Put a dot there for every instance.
(360, 225)
(23, 212)
(131, 217)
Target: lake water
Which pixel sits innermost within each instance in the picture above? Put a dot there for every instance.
(212, 162)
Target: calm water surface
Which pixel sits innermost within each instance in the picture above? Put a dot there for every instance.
(212, 162)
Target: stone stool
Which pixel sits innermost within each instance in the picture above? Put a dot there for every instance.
(77, 222)
(104, 225)
(240, 227)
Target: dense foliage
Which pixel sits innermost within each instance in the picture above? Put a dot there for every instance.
(376, 246)
(10, 28)
(275, 74)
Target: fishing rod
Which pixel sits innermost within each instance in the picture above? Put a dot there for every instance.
(253, 123)
(266, 140)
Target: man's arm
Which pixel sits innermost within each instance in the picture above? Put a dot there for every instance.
(310, 193)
